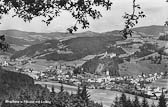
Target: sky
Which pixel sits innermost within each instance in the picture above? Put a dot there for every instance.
(155, 11)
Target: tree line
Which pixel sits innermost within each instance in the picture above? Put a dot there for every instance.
(53, 99)
(80, 99)
(123, 101)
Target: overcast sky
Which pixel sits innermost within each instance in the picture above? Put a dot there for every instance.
(155, 11)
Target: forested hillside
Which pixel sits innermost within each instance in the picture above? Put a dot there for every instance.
(100, 66)
(71, 49)
(12, 82)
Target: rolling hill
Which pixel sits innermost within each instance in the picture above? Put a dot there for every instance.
(29, 38)
(73, 46)
(154, 30)
(32, 37)
(58, 46)
(19, 40)
(68, 50)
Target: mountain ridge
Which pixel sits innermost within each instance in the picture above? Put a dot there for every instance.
(141, 27)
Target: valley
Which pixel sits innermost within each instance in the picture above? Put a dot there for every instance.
(106, 62)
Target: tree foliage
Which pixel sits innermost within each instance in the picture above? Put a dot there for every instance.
(49, 9)
(116, 102)
(153, 105)
(162, 101)
(62, 88)
(85, 95)
(79, 9)
(145, 103)
(123, 101)
(136, 102)
(3, 44)
(131, 19)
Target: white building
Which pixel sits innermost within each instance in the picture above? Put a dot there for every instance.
(5, 63)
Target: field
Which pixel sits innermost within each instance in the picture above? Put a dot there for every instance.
(101, 96)
(46, 63)
(107, 97)
(163, 83)
(57, 86)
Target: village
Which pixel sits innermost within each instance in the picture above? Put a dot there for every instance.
(137, 85)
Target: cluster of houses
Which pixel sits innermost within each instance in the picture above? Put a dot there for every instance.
(139, 84)
(64, 73)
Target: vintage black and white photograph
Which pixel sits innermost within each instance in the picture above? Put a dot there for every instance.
(83, 53)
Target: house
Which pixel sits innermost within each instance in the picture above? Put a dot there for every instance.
(112, 55)
(99, 80)
(120, 78)
(112, 79)
(107, 73)
(51, 78)
(157, 90)
(157, 94)
(59, 71)
(91, 80)
(5, 63)
(77, 83)
(91, 86)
